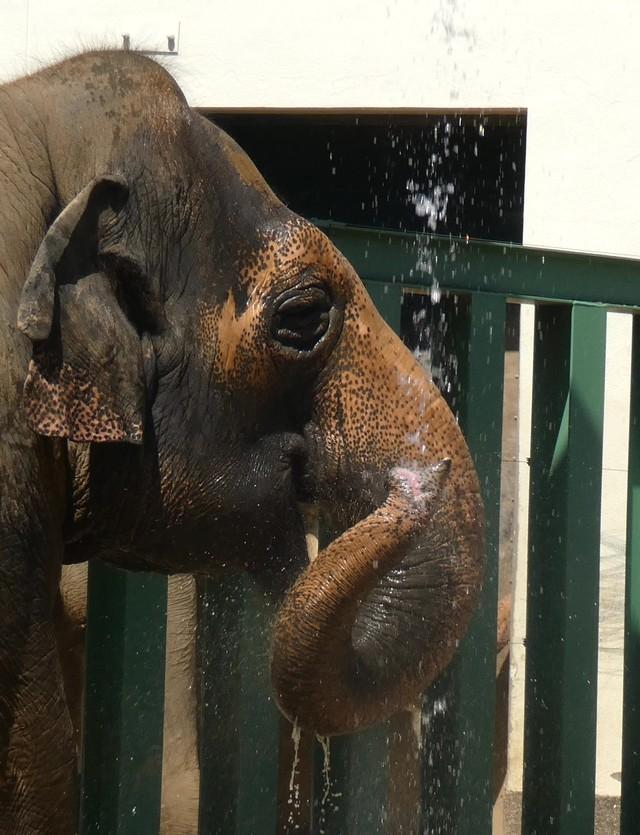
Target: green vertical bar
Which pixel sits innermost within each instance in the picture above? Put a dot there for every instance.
(359, 764)
(260, 720)
(355, 799)
(564, 556)
(482, 425)
(630, 800)
(459, 711)
(220, 612)
(124, 702)
(239, 723)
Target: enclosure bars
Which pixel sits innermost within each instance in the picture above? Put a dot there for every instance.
(563, 569)
(124, 702)
(489, 273)
(459, 710)
(561, 703)
(630, 812)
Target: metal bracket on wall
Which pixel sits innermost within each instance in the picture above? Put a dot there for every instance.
(173, 44)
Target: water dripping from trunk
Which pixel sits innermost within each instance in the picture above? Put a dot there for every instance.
(293, 799)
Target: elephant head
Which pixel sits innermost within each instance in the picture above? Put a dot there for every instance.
(213, 361)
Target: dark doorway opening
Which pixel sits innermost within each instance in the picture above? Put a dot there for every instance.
(459, 174)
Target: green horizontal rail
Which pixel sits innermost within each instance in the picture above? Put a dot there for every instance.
(510, 270)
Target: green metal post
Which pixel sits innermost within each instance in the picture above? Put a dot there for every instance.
(564, 561)
(355, 799)
(442, 735)
(220, 611)
(239, 724)
(260, 720)
(459, 712)
(630, 800)
(351, 787)
(124, 702)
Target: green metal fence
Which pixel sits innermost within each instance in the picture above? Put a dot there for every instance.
(431, 775)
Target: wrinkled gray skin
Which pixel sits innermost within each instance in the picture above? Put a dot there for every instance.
(184, 360)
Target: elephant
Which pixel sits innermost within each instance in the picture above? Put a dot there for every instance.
(185, 363)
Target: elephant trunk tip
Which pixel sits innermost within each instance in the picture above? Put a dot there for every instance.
(420, 486)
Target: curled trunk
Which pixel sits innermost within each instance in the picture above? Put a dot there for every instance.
(380, 612)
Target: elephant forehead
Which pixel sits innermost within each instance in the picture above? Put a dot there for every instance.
(286, 249)
(244, 168)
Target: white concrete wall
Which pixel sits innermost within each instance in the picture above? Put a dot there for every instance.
(574, 64)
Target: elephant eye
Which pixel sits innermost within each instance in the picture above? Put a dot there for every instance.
(301, 317)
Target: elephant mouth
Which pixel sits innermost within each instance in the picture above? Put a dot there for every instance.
(304, 469)
(305, 477)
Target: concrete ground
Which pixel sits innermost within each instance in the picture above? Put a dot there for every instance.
(607, 814)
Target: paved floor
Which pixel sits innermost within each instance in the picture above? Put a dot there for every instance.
(607, 814)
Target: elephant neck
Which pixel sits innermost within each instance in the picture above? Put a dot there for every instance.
(25, 162)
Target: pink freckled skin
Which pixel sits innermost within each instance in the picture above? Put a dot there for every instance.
(421, 487)
(411, 480)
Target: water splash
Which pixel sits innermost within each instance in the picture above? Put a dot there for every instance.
(294, 788)
(323, 741)
(416, 726)
(430, 204)
(446, 22)
(326, 767)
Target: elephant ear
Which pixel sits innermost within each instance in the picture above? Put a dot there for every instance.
(85, 379)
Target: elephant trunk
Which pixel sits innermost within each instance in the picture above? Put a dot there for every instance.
(324, 683)
(380, 611)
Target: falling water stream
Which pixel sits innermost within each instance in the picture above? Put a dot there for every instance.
(293, 800)
(326, 780)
